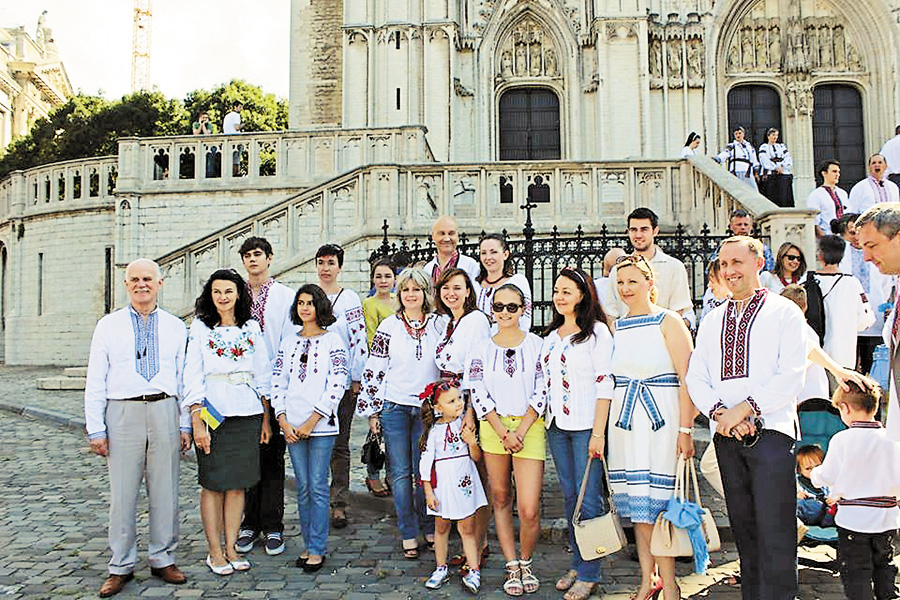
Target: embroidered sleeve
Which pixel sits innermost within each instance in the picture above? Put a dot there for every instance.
(601, 358)
(262, 367)
(194, 376)
(356, 334)
(370, 397)
(426, 460)
(716, 407)
(279, 383)
(481, 398)
(335, 383)
(538, 400)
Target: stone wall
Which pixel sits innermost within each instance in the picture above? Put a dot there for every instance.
(316, 63)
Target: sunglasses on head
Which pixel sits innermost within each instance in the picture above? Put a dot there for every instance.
(500, 307)
(631, 259)
(792, 256)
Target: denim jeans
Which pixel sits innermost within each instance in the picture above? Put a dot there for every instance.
(570, 455)
(310, 459)
(401, 426)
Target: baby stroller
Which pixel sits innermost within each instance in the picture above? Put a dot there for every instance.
(819, 420)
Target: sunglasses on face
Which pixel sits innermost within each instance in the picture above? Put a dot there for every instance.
(792, 256)
(499, 307)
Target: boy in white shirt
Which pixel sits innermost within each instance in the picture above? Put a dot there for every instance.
(862, 470)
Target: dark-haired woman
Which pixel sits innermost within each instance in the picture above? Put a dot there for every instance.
(227, 375)
(775, 170)
(307, 385)
(497, 271)
(790, 267)
(508, 393)
(577, 357)
(691, 145)
(401, 363)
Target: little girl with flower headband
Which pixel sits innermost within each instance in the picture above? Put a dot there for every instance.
(453, 490)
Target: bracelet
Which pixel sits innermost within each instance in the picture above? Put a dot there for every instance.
(686, 430)
(599, 437)
(196, 410)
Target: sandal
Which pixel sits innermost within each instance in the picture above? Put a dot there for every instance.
(513, 584)
(580, 590)
(567, 580)
(429, 544)
(410, 553)
(654, 591)
(338, 518)
(530, 583)
(378, 492)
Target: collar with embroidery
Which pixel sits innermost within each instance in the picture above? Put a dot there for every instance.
(866, 425)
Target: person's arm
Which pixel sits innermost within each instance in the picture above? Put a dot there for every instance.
(426, 463)
(865, 317)
(604, 385)
(788, 161)
(679, 344)
(369, 402)
(95, 391)
(699, 379)
(358, 350)
(335, 380)
(819, 357)
(195, 383)
(467, 433)
(765, 160)
(262, 378)
(679, 289)
(184, 417)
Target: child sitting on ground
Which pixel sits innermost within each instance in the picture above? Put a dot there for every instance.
(813, 507)
(862, 471)
(453, 489)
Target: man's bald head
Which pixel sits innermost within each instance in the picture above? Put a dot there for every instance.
(610, 258)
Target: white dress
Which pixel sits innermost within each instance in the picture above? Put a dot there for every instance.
(643, 419)
(458, 489)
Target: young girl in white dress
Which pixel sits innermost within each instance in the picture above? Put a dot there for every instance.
(453, 490)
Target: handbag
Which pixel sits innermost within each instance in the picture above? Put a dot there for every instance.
(372, 454)
(669, 540)
(599, 536)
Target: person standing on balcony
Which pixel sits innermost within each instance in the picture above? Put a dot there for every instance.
(671, 276)
(740, 158)
(830, 200)
(745, 374)
(445, 234)
(775, 163)
(891, 153)
(203, 126)
(271, 308)
(875, 188)
(351, 326)
(232, 124)
(132, 418)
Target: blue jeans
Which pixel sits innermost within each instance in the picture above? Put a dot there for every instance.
(570, 455)
(401, 426)
(311, 459)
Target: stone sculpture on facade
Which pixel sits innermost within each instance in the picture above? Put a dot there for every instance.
(528, 52)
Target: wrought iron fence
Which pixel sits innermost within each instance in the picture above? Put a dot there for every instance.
(540, 256)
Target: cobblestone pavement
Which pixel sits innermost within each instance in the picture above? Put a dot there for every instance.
(53, 512)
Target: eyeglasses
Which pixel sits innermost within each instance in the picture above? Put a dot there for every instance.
(792, 256)
(512, 307)
(632, 258)
(750, 440)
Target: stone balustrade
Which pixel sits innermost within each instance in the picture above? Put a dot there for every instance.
(63, 186)
(261, 160)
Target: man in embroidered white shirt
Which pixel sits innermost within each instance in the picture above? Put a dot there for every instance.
(745, 375)
(891, 153)
(271, 308)
(830, 200)
(875, 188)
(131, 414)
(671, 276)
(445, 234)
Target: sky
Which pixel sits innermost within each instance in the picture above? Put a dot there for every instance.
(194, 43)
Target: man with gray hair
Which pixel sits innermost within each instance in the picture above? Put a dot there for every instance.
(131, 415)
(878, 232)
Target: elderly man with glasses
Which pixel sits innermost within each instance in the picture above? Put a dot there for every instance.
(745, 374)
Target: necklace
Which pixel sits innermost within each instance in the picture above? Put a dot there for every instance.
(416, 332)
(496, 281)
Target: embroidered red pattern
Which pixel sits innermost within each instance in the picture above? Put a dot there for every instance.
(735, 340)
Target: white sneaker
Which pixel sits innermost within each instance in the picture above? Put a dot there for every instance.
(440, 576)
(245, 540)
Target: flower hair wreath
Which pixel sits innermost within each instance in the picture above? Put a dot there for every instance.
(432, 389)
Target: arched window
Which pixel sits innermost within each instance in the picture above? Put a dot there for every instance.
(838, 130)
(529, 124)
(756, 107)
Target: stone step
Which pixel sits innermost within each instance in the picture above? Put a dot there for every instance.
(61, 383)
(75, 372)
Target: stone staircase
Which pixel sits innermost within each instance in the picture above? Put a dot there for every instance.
(73, 378)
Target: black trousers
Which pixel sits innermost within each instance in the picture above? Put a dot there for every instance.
(779, 189)
(867, 570)
(264, 502)
(865, 349)
(761, 495)
(340, 454)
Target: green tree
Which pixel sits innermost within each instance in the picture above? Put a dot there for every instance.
(261, 112)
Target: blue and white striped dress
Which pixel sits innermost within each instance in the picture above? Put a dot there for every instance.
(643, 419)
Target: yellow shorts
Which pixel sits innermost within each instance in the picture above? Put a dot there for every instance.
(534, 446)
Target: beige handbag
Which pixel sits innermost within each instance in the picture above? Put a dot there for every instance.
(669, 540)
(599, 536)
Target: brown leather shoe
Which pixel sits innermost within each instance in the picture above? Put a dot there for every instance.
(114, 584)
(170, 574)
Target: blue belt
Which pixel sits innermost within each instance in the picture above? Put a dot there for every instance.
(639, 389)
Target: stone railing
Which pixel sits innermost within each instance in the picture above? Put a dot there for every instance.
(70, 185)
(489, 196)
(261, 160)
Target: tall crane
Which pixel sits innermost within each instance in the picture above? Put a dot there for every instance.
(140, 46)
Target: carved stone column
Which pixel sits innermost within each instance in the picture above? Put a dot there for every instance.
(794, 225)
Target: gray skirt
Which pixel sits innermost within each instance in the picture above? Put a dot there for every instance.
(233, 459)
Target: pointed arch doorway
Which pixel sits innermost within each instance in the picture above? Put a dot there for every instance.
(529, 124)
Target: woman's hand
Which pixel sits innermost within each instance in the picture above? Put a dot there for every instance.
(597, 445)
(290, 434)
(844, 376)
(467, 433)
(305, 430)
(685, 445)
(202, 438)
(375, 424)
(513, 442)
(266, 434)
(431, 500)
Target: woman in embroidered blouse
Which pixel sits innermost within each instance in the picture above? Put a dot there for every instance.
(400, 365)
(307, 385)
(377, 308)
(576, 357)
(652, 414)
(508, 393)
(227, 374)
(497, 271)
(790, 267)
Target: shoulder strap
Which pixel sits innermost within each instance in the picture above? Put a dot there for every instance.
(576, 514)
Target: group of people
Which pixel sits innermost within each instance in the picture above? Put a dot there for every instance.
(440, 361)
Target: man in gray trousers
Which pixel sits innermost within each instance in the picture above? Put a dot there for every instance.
(132, 418)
